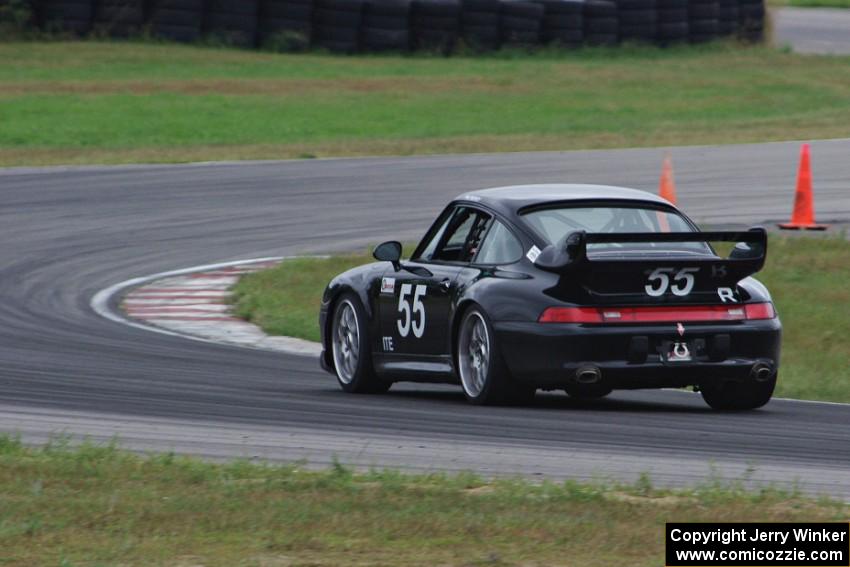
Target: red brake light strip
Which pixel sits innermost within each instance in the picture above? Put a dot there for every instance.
(658, 313)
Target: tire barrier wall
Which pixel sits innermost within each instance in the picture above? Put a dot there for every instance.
(441, 26)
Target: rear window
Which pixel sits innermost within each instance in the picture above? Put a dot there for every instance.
(556, 223)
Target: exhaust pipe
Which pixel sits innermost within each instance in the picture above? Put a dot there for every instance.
(761, 372)
(588, 375)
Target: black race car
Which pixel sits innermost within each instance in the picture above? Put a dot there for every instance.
(584, 288)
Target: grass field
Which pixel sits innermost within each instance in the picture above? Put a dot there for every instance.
(101, 506)
(807, 277)
(124, 102)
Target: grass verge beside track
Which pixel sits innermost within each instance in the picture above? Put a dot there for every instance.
(807, 277)
(102, 506)
(90, 102)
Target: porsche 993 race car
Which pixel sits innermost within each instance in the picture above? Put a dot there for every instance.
(577, 287)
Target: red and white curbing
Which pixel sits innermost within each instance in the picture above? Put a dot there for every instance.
(194, 303)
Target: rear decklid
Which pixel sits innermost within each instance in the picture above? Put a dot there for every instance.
(613, 269)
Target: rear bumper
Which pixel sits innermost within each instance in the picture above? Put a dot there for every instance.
(632, 356)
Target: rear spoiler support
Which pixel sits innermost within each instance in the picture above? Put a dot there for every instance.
(570, 255)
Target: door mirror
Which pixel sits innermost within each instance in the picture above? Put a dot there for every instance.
(389, 252)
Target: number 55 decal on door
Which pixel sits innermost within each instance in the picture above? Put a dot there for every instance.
(407, 322)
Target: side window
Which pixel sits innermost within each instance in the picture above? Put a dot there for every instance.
(458, 239)
(428, 251)
(500, 246)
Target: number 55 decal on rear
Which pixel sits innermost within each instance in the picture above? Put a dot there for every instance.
(659, 281)
(411, 319)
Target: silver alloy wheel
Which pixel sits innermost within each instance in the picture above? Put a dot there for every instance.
(346, 341)
(473, 354)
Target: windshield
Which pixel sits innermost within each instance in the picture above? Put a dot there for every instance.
(554, 224)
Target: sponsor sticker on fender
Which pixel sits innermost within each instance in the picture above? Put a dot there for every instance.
(388, 285)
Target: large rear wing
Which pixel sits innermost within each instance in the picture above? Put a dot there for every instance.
(672, 274)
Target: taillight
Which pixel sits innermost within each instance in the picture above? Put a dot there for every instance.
(760, 310)
(571, 315)
(657, 313)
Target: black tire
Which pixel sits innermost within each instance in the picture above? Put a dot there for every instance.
(486, 34)
(563, 36)
(341, 5)
(600, 8)
(520, 25)
(562, 7)
(520, 37)
(671, 5)
(587, 391)
(435, 23)
(637, 17)
(334, 37)
(750, 12)
(172, 18)
(480, 6)
(636, 5)
(338, 46)
(231, 22)
(272, 7)
(67, 11)
(377, 39)
(702, 38)
(703, 11)
(703, 27)
(286, 39)
(287, 11)
(564, 21)
(672, 16)
(232, 6)
(739, 396)
(594, 26)
(276, 26)
(354, 376)
(479, 19)
(482, 38)
(434, 40)
(336, 18)
(726, 28)
(439, 8)
(187, 5)
(519, 9)
(182, 34)
(397, 8)
(672, 30)
(381, 22)
(493, 385)
(127, 14)
(644, 32)
(600, 39)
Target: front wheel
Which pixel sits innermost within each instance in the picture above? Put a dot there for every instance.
(483, 375)
(739, 396)
(352, 354)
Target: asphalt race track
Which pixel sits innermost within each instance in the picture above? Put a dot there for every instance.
(812, 30)
(68, 232)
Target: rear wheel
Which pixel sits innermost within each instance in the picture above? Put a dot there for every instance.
(352, 353)
(739, 396)
(483, 374)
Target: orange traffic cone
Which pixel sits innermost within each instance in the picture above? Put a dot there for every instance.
(803, 216)
(667, 187)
